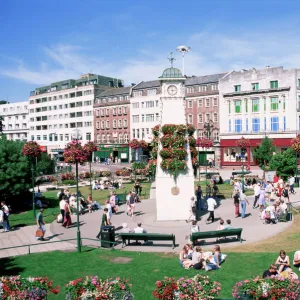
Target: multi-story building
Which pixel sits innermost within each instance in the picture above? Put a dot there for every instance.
(145, 109)
(258, 103)
(112, 123)
(56, 110)
(15, 120)
(202, 110)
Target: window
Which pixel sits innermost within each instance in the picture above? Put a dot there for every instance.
(61, 137)
(284, 123)
(265, 124)
(190, 103)
(246, 105)
(125, 110)
(97, 113)
(133, 133)
(32, 137)
(107, 124)
(151, 92)
(119, 110)
(97, 125)
(298, 103)
(107, 112)
(214, 87)
(114, 111)
(38, 137)
(274, 103)
(150, 118)
(229, 107)
(98, 138)
(120, 138)
(156, 103)
(255, 124)
(238, 106)
(108, 138)
(202, 88)
(149, 104)
(137, 93)
(156, 117)
(135, 119)
(190, 89)
(216, 135)
(114, 123)
(126, 138)
(200, 103)
(215, 102)
(284, 103)
(78, 104)
(207, 102)
(125, 123)
(275, 124)
(237, 88)
(215, 117)
(137, 133)
(103, 138)
(135, 105)
(207, 117)
(238, 125)
(200, 118)
(247, 124)
(79, 124)
(102, 124)
(142, 104)
(190, 119)
(274, 84)
(44, 137)
(255, 105)
(229, 125)
(143, 118)
(255, 86)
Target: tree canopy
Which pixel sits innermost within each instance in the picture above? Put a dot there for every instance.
(15, 174)
(284, 163)
(264, 152)
(45, 165)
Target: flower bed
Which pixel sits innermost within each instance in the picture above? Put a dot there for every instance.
(84, 175)
(199, 287)
(268, 289)
(103, 173)
(46, 178)
(93, 287)
(32, 288)
(123, 172)
(68, 176)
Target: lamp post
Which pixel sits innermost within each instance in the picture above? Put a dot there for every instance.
(90, 162)
(183, 50)
(208, 129)
(76, 135)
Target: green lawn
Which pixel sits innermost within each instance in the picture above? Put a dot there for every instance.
(26, 217)
(143, 270)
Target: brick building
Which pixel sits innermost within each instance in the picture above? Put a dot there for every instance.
(112, 123)
(202, 108)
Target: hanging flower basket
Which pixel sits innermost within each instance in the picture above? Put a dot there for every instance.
(75, 153)
(192, 141)
(155, 130)
(169, 140)
(204, 143)
(190, 129)
(181, 129)
(169, 128)
(179, 153)
(295, 144)
(173, 165)
(166, 153)
(243, 143)
(143, 145)
(154, 141)
(134, 144)
(31, 149)
(90, 147)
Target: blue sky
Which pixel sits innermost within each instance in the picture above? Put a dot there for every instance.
(47, 41)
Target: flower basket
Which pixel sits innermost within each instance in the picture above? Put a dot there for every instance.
(190, 129)
(143, 145)
(267, 288)
(134, 144)
(243, 143)
(173, 141)
(173, 165)
(89, 148)
(169, 128)
(74, 153)
(204, 143)
(155, 130)
(154, 152)
(192, 141)
(92, 287)
(152, 166)
(32, 288)
(295, 144)
(181, 129)
(166, 153)
(31, 149)
(154, 142)
(179, 153)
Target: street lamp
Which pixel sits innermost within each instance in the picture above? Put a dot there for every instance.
(90, 162)
(208, 129)
(183, 50)
(77, 135)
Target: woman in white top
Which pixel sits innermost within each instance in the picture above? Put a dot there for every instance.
(108, 206)
(196, 257)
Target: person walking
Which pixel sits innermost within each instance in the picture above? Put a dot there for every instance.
(198, 194)
(208, 191)
(291, 184)
(236, 202)
(67, 222)
(262, 199)
(131, 204)
(62, 204)
(256, 194)
(104, 222)
(211, 205)
(40, 223)
(5, 210)
(244, 201)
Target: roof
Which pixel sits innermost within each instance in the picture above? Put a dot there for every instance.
(147, 84)
(115, 91)
(171, 73)
(204, 79)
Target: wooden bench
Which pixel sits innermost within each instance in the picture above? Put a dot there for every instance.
(146, 237)
(217, 234)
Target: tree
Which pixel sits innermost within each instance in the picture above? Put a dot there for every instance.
(284, 163)
(45, 165)
(264, 152)
(15, 175)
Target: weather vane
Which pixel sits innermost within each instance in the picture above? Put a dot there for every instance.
(171, 59)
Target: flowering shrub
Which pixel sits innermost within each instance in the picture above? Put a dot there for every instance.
(32, 288)
(89, 148)
(295, 144)
(31, 149)
(139, 165)
(68, 176)
(46, 178)
(155, 130)
(152, 166)
(199, 287)
(154, 152)
(93, 287)
(267, 288)
(169, 140)
(243, 143)
(144, 172)
(84, 175)
(204, 143)
(169, 129)
(134, 144)
(173, 165)
(74, 152)
(123, 172)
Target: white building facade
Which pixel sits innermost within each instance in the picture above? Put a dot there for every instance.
(15, 120)
(258, 103)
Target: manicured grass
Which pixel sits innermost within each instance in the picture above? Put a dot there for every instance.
(144, 269)
(26, 217)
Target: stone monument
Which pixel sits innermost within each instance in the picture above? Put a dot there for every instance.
(173, 193)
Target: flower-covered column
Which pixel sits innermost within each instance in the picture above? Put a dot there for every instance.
(32, 150)
(90, 147)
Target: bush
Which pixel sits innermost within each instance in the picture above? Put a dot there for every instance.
(69, 182)
(139, 165)
(68, 176)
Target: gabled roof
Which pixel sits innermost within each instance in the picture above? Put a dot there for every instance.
(204, 79)
(115, 91)
(147, 84)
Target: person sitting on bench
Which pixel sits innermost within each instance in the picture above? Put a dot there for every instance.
(139, 229)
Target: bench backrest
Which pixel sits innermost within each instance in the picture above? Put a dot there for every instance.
(218, 233)
(147, 235)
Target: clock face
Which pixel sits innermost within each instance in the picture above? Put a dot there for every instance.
(172, 90)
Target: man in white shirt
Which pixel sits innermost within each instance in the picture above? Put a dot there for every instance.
(291, 183)
(139, 229)
(5, 215)
(211, 204)
(256, 194)
(62, 204)
(192, 216)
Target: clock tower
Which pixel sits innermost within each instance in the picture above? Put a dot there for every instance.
(173, 194)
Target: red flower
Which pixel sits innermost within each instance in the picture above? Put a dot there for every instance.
(74, 152)
(204, 143)
(243, 143)
(32, 149)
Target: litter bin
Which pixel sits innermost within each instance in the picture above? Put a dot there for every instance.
(107, 236)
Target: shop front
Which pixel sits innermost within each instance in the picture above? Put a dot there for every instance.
(231, 155)
(57, 154)
(116, 151)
